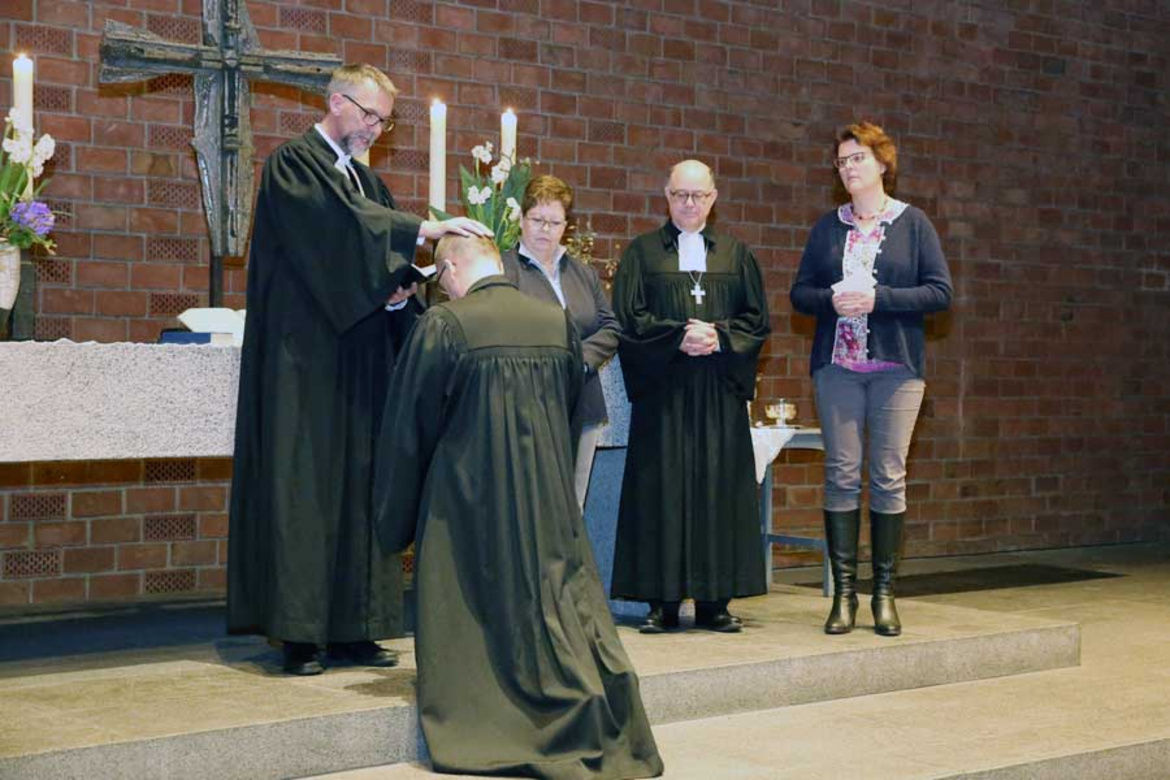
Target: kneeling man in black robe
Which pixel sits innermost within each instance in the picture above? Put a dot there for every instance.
(520, 669)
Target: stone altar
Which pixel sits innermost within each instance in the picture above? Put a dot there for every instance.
(69, 401)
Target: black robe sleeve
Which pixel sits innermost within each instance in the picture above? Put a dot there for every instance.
(371, 245)
(411, 427)
(577, 380)
(743, 336)
(648, 343)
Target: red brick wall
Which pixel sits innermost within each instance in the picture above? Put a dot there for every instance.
(109, 530)
(1033, 134)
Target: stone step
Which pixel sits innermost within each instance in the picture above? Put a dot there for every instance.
(221, 709)
(706, 749)
(1105, 719)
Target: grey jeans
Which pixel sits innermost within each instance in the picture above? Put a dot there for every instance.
(882, 404)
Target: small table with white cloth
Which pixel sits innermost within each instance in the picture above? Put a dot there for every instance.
(767, 443)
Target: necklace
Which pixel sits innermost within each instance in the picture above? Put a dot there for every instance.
(857, 215)
(697, 292)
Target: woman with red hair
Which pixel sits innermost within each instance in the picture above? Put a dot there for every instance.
(872, 268)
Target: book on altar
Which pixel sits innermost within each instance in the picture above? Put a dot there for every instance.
(216, 321)
(178, 336)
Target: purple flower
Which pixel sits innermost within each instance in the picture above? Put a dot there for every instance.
(33, 215)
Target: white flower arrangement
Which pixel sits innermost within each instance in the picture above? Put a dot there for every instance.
(478, 197)
(24, 221)
(483, 154)
(513, 209)
(491, 194)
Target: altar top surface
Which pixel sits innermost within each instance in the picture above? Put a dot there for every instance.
(69, 401)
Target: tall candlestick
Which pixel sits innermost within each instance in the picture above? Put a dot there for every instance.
(438, 194)
(508, 135)
(22, 87)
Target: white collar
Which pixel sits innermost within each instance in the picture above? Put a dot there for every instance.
(692, 250)
(343, 159)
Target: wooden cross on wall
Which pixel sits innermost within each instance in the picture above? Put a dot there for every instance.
(223, 67)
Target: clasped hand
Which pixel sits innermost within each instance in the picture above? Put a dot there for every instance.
(700, 338)
(853, 304)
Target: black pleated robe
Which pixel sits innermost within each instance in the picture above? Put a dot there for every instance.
(520, 669)
(304, 564)
(688, 522)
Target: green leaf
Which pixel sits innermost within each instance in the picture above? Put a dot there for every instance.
(6, 176)
(468, 180)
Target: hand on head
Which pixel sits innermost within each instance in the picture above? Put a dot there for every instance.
(464, 260)
(458, 226)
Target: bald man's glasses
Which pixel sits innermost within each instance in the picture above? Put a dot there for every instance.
(682, 196)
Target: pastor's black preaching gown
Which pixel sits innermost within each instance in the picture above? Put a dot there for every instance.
(520, 670)
(688, 522)
(304, 564)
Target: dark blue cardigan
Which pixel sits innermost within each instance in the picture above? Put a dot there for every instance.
(912, 279)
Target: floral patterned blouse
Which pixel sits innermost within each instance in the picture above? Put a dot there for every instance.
(851, 343)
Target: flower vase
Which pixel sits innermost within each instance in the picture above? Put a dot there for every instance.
(9, 281)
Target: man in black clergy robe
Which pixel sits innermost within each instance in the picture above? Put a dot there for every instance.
(520, 670)
(328, 253)
(694, 316)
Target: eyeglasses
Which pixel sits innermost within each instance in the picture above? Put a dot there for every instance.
(682, 196)
(545, 224)
(854, 159)
(372, 118)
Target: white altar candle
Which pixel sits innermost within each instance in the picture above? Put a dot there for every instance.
(22, 87)
(22, 100)
(508, 135)
(438, 193)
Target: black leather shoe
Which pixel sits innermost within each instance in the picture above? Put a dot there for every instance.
(659, 621)
(300, 658)
(364, 653)
(724, 622)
